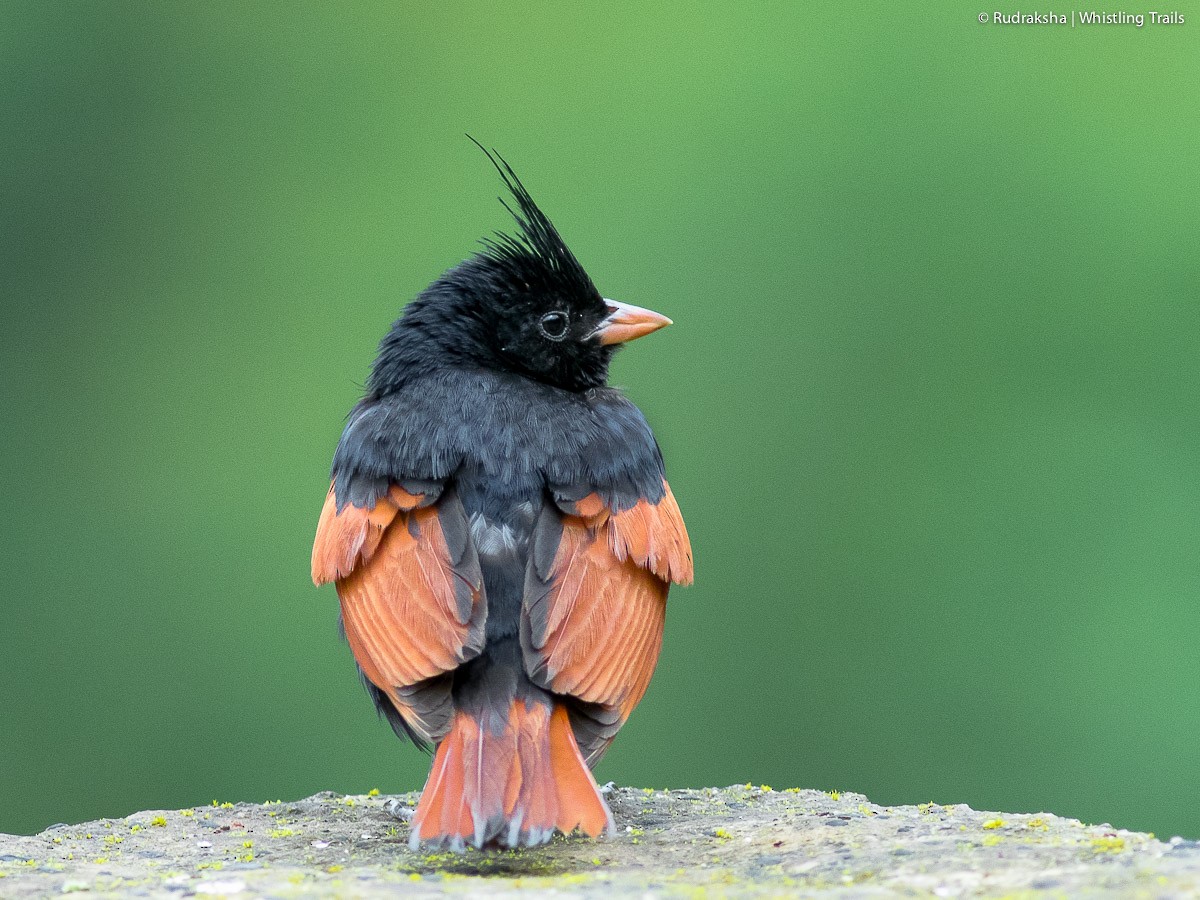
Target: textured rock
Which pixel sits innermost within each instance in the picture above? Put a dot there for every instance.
(729, 842)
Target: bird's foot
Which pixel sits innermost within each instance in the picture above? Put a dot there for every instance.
(607, 789)
(398, 810)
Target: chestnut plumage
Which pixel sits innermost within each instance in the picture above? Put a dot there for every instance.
(502, 538)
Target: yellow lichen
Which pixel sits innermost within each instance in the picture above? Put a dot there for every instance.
(333, 869)
(100, 860)
(159, 822)
(373, 792)
(866, 810)
(247, 844)
(187, 813)
(993, 823)
(283, 832)
(722, 834)
(1108, 843)
(834, 795)
(1037, 823)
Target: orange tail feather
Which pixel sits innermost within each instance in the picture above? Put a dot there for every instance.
(513, 787)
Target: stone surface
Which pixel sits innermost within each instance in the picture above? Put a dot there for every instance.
(740, 841)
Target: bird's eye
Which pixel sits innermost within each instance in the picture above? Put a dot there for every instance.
(554, 325)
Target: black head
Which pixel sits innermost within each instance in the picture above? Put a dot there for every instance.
(524, 304)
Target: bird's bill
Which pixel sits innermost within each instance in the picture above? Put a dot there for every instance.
(626, 322)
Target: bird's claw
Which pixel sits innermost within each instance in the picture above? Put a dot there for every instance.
(398, 810)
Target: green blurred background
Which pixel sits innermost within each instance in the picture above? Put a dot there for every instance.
(930, 404)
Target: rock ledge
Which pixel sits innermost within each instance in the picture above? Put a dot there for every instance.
(738, 841)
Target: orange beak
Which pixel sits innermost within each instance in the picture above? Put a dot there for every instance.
(626, 322)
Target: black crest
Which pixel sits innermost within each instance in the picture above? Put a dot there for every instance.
(489, 310)
(538, 250)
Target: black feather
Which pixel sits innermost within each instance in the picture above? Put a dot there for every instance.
(539, 241)
(485, 312)
(384, 707)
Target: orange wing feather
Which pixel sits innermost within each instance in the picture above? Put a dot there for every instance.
(655, 538)
(345, 538)
(607, 599)
(410, 610)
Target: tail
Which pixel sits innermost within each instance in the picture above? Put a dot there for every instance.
(510, 782)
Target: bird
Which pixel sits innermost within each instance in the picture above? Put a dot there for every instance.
(502, 538)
